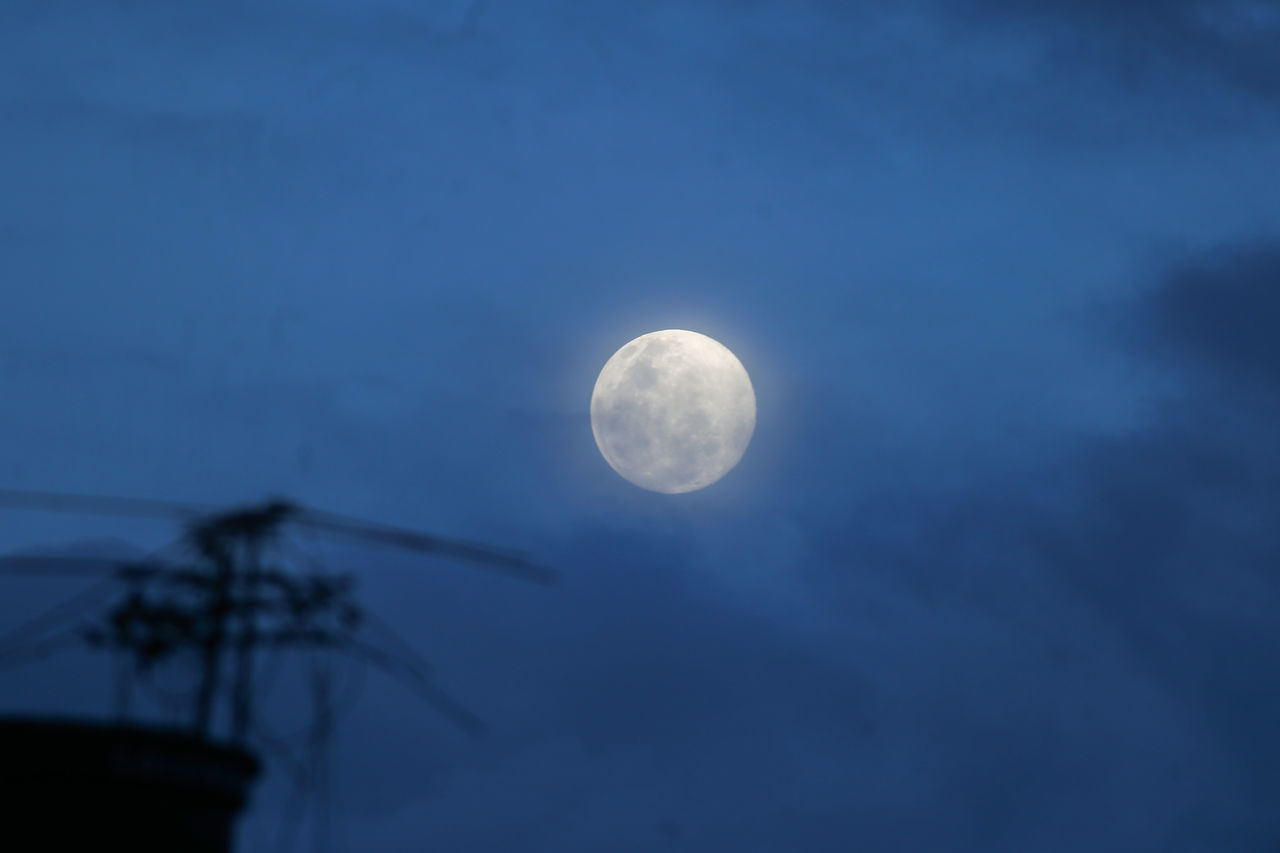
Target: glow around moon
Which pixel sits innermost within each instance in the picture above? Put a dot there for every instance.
(673, 411)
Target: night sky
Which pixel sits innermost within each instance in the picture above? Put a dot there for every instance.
(999, 570)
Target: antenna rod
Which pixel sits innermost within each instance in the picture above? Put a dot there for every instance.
(242, 689)
(65, 502)
(219, 610)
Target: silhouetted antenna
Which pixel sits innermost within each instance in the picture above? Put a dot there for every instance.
(262, 522)
(227, 596)
(231, 596)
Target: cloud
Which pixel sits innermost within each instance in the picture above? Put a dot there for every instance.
(1215, 316)
(1150, 43)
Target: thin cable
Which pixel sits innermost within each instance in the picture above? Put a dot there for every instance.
(299, 550)
(75, 606)
(417, 667)
(450, 708)
(353, 679)
(80, 600)
(299, 783)
(276, 744)
(513, 563)
(406, 648)
(22, 499)
(321, 695)
(353, 688)
(292, 818)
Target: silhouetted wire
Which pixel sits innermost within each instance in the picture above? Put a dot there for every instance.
(353, 675)
(291, 819)
(322, 739)
(354, 680)
(319, 732)
(422, 684)
(74, 608)
(351, 686)
(389, 634)
(79, 602)
(299, 781)
(294, 810)
(337, 824)
(321, 745)
(24, 499)
(274, 662)
(304, 553)
(311, 775)
(302, 780)
(407, 664)
(404, 663)
(506, 561)
(284, 754)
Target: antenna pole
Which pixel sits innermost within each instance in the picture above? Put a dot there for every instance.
(242, 689)
(219, 611)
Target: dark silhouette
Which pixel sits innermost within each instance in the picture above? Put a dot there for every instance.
(234, 591)
(73, 785)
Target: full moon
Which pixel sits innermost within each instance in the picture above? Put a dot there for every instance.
(673, 411)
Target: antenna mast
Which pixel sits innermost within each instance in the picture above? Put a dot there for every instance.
(231, 600)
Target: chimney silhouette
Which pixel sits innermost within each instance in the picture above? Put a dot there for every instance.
(76, 786)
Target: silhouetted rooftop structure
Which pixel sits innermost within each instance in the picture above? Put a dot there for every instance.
(77, 786)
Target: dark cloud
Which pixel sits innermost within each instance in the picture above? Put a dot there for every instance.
(1163, 532)
(1151, 43)
(1188, 503)
(1216, 315)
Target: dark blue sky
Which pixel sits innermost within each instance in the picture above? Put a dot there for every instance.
(998, 571)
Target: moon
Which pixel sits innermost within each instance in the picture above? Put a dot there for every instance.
(673, 411)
